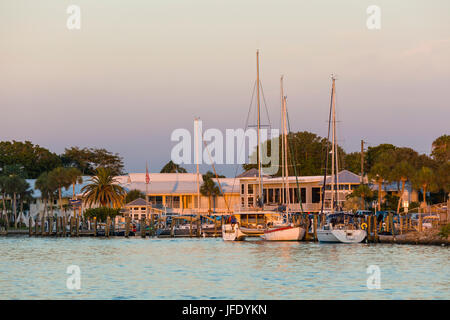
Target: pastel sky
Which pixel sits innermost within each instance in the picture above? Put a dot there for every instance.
(138, 69)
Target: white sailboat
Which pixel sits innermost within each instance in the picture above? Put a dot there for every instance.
(238, 231)
(337, 227)
(286, 231)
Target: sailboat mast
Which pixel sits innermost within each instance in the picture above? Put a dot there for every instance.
(286, 171)
(333, 151)
(283, 194)
(259, 126)
(336, 150)
(197, 142)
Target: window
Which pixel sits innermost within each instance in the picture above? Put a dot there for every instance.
(250, 201)
(136, 216)
(270, 195)
(277, 196)
(242, 188)
(303, 194)
(135, 208)
(265, 195)
(315, 195)
(242, 202)
(143, 209)
(250, 189)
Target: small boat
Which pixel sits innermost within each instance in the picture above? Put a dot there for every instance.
(340, 226)
(286, 233)
(232, 232)
(336, 230)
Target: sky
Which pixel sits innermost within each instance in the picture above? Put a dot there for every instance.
(137, 70)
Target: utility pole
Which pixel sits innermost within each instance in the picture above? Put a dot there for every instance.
(362, 161)
(362, 171)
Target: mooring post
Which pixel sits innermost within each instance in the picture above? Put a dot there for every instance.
(307, 224)
(50, 231)
(42, 226)
(77, 226)
(127, 226)
(30, 228)
(420, 222)
(142, 228)
(315, 227)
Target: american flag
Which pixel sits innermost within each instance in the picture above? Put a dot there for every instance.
(147, 177)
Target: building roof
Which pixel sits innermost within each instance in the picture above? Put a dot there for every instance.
(345, 177)
(137, 202)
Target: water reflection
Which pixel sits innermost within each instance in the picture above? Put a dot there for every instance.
(35, 268)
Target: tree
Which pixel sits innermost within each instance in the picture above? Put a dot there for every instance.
(363, 192)
(209, 188)
(425, 179)
(101, 213)
(172, 167)
(61, 179)
(441, 149)
(32, 158)
(381, 171)
(3, 191)
(15, 185)
(443, 178)
(352, 162)
(133, 195)
(306, 148)
(104, 190)
(374, 152)
(402, 172)
(87, 160)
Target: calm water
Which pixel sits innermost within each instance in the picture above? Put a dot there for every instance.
(35, 268)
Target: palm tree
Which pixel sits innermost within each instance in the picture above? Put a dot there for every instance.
(425, 179)
(75, 176)
(380, 172)
(172, 167)
(209, 188)
(3, 191)
(364, 192)
(15, 185)
(402, 172)
(43, 185)
(104, 189)
(61, 179)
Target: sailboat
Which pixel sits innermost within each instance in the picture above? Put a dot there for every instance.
(237, 231)
(340, 226)
(286, 231)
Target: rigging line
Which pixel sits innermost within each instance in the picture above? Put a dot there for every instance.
(326, 156)
(245, 129)
(265, 104)
(299, 195)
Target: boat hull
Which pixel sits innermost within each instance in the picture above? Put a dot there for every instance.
(232, 233)
(289, 233)
(341, 236)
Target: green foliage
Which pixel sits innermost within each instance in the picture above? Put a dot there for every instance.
(352, 162)
(441, 149)
(101, 213)
(414, 205)
(87, 160)
(133, 195)
(32, 159)
(445, 231)
(308, 150)
(172, 167)
(374, 153)
(390, 202)
(104, 189)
